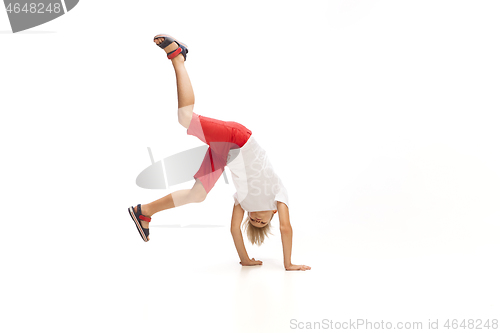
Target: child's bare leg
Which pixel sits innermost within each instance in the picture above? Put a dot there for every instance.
(175, 199)
(185, 93)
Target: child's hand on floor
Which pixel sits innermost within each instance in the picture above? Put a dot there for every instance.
(251, 262)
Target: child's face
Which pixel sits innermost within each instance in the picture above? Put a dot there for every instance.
(261, 219)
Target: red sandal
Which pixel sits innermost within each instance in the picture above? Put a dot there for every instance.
(182, 49)
(137, 217)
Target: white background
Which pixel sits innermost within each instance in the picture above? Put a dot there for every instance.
(379, 116)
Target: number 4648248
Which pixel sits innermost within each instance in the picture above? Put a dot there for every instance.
(34, 8)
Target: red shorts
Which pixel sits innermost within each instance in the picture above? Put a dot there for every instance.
(220, 136)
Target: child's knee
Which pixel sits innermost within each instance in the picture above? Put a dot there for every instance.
(184, 115)
(198, 193)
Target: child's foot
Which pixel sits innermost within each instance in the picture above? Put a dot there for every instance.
(144, 224)
(172, 47)
(168, 49)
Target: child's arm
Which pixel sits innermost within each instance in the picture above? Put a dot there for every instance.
(236, 220)
(286, 238)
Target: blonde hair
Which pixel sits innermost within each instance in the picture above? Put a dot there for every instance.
(255, 234)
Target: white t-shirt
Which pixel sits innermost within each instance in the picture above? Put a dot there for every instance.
(258, 187)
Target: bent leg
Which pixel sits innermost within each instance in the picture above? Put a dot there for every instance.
(175, 199)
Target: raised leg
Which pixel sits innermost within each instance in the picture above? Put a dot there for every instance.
(185, 93)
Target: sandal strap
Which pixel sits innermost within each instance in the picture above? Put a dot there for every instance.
(142, 217)
(166, 41)
(174, 53)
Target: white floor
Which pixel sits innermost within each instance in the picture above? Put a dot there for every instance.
(187, 278)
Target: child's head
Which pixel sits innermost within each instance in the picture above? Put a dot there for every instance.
(258, 225)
